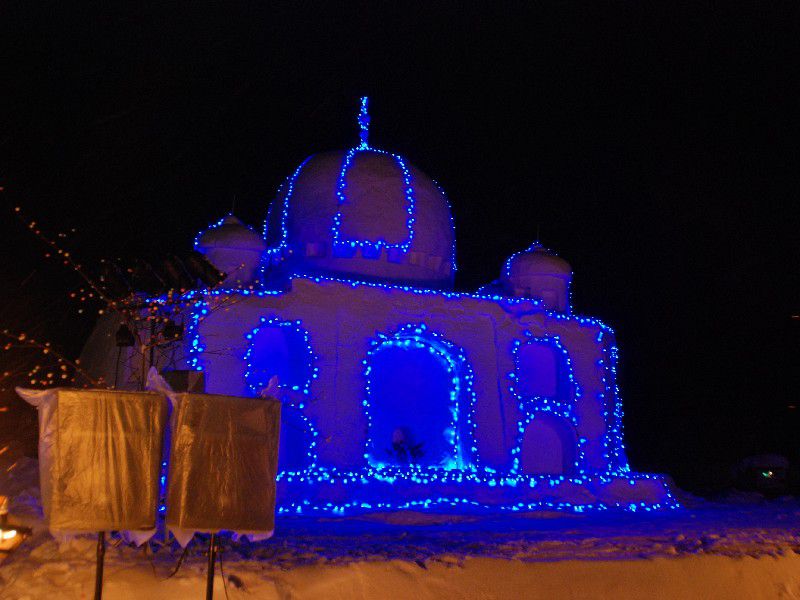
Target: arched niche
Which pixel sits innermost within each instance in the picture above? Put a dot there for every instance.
(548, 446)
(417, 400)
(538, 366)
(282, 348)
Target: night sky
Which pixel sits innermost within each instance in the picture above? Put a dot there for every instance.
(657, 151)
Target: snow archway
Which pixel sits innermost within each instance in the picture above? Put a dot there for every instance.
(282, 348)
(549, 446)
(544, 385)
(418, 401)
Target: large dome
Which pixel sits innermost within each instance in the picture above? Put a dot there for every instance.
(363, 214)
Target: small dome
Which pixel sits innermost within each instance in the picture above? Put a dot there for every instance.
(229, 232)
(365, 214)
(538, 273)
(536, 260)
(233, 248)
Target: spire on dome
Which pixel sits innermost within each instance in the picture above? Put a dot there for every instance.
(363, 123)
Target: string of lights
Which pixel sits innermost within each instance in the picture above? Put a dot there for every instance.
(465, 470)
(258, 379)
(418, 336)
(561, 405)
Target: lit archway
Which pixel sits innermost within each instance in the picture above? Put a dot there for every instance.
(418, 402)
(283, 349)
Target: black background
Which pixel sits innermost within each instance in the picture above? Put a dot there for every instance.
(655, 147)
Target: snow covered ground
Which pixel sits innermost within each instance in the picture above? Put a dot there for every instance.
(743, 548)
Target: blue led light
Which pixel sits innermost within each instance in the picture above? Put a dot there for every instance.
(508, 300)
(358, 481)
(215, 225)
(453, 262)
(342, 244)
(457, 367)
(613, 442)
(363, 123)
(258, 381)
(465, 469)
(284, 232)
(534, 247)
(199, 310)
(460, 479)
(561, 405)
(339, 241)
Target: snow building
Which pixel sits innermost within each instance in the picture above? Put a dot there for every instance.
(397, 391)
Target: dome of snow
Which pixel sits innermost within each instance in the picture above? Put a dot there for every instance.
(536, 260)
(229, 232)
(538, 273)
(363, 214)
(233, 248)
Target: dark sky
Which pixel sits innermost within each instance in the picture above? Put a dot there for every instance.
(655, 148)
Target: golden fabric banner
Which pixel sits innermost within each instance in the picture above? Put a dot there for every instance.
(223, 464)
(100, 456)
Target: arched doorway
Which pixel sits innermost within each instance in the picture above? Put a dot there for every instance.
(548, 446)
(417, 396)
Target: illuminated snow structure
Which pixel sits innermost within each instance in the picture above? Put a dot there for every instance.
(397, 391)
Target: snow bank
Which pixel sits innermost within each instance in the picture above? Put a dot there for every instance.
(446, 577)
(725, 551)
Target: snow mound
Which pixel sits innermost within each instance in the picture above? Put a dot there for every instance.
(713, 550)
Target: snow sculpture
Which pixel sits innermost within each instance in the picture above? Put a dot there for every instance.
(399, 392)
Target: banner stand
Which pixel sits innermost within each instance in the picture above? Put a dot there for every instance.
(212, 556)
(98, 573)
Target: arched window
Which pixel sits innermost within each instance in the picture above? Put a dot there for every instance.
(281, 348)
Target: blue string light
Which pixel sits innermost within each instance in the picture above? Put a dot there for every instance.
(453, 264)
(257, 381)
(418, 336)
(341, 244)
(363, 123)
(339, 241)
(365, 493)
(215, 225)
(461, 480)
(199, 310)
(284, 231)
(465, 471)
(561, 405)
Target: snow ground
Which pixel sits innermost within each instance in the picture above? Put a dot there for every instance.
(743, 548)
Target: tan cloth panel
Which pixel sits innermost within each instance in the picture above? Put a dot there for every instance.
(223, 464)
(100, 455)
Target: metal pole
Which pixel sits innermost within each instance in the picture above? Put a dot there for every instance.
(212, 555)
(116, 368)
(98, 573)
(143, 382)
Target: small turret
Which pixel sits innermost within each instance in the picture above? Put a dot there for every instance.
(538, 273)
(233, 248)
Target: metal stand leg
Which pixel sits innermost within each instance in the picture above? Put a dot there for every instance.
(212, 555)
(98, 573)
